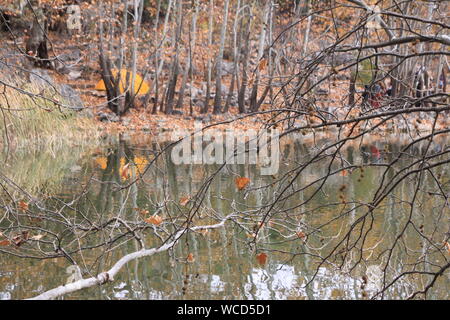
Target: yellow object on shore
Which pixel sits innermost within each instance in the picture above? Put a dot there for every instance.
(140, 86)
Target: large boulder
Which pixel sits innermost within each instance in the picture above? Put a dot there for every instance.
(42, 79)
(71, 96)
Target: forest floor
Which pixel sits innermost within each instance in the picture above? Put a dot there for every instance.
(141, 119)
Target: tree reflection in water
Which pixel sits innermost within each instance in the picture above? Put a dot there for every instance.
(330, 236)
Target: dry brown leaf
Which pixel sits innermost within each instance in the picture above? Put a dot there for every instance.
(155, 219)
(5, 242)
(301, 235)
(23, 206)
(190, 258)
(262, 64)
(184, 201)
(262, 258)
(447, 245)
(125, 174)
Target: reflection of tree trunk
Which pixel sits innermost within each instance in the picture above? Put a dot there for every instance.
(172, 176)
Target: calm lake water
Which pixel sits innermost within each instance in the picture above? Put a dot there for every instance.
(224, 265)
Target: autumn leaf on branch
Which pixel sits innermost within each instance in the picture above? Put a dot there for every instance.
(184, 201)
(261, 258)
(301, 235)
(447, 246)
(190, 258)
(125, 173)
(155, 219)
(242, 182)
(5, 243)
(23, 206)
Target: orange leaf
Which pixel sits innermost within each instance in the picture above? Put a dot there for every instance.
(262, 64)
(301, 234)
(447, 245)
(262, 258)
(242, 182)
(102, 162)
(190, 258)
(344, 173)
(184, 201)
(155, 219)
(125, 172)
(140, 86)
(23, 206)
(5, 242)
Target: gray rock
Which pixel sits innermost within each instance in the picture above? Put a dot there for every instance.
(107, 117)
(75, 168)
(227, 68)
(338, 59)
(61, 67)
(72, 56)
(193, 91)
(87, 113)
(42, 79)
(126, 122)
(74, 75)
(72, 97)
(203, 118)
(321, 91)
(177, 112)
